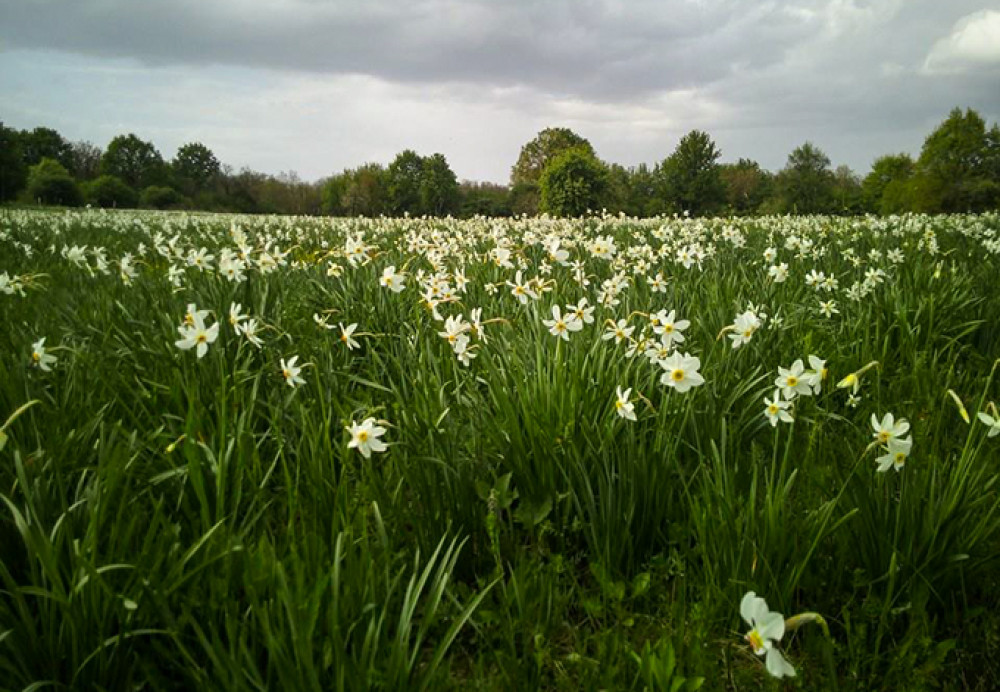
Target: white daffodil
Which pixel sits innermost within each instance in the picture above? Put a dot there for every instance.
(364, 437)
(391, 280)
(249, 329)
(623, 406)
(236, 316)
(290, 371)
(776, 409)
(681, 372)
(816, 374)
(888, 428)
(346, 336)
(582, 311)
(767, 627)
(670, 329)
(619, 331)
(743, 328)
(561, 325)
(793, 381)
(39, 358)
(993, 423)
(896, 453)
(197, 335)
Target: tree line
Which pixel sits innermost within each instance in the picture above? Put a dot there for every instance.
(557, 172)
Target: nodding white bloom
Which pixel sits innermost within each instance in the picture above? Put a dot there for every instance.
(561, 325)
(603, 247)
(321, 321)
(290, 371)
(175, 275)
(767, 627)
(888, 428)
(744, 327)
(778, 272)
(993, 423)
(828, 308)
(501, 257)
(770, 254)
(346, 336)
(235, 316)
(582, 311)
(814, 279)
(681, 372)
(619, 331)
(623, 406)
(793, 381)
(232, 267)
(897, 450)
(657, 284)
(249, 330)
(391, 280)
(193, 314)
(669, 328)
(476, 324)
(364, 437)
(454, 329)
(777, 409)
(816, 374)
(197, 335)
(521, 290)
(555, 253)
(200, 259)
(127, 271)
(39, 358)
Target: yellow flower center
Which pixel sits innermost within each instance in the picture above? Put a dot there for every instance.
(900, 458)
(362, 436)
(773, 409)
(677, 375)
(286, 374)
(883, 437)
(36, 356)
(792, 380)
(619, 404)
(756, 641)
(202, 338)
(668, 328)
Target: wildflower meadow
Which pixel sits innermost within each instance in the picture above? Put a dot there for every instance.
(609, 453)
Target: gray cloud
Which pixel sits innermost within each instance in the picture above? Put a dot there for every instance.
(762, 77)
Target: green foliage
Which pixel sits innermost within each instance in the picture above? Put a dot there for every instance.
(536, 154)
(573, 183)
(404, 177)
(747, 185)
(50, 183)
(109, 192)
(194, 166)
(134, 160)
(13, 171)
(161, 197)
(883, 189)
(690, 175)
(959, 161)
(806, 182)
(45, 143)
(484, 199)
(438, 187)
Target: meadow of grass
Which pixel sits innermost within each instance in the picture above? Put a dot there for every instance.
(200, 500)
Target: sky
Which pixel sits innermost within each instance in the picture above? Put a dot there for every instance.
(317, 86)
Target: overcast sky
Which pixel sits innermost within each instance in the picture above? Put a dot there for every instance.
(316, 86)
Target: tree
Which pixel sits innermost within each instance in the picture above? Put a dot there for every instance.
(846, 191)
(403, 179)
(366, 194)
(135, 161)
(881, 190)
(573, 182)
(46, 143)
(483, 199)
(161, 197)
(50, 183)
(806, 183)
(86, 160)
(691, 175)
(108, 191)
(746, 185)
(438, 186)
(194, 166)
(13, 171)
(536, 154)
(956, 160)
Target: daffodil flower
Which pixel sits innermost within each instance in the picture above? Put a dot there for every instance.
(767, 627)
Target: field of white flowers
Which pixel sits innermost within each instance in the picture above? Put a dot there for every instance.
(278, 453)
